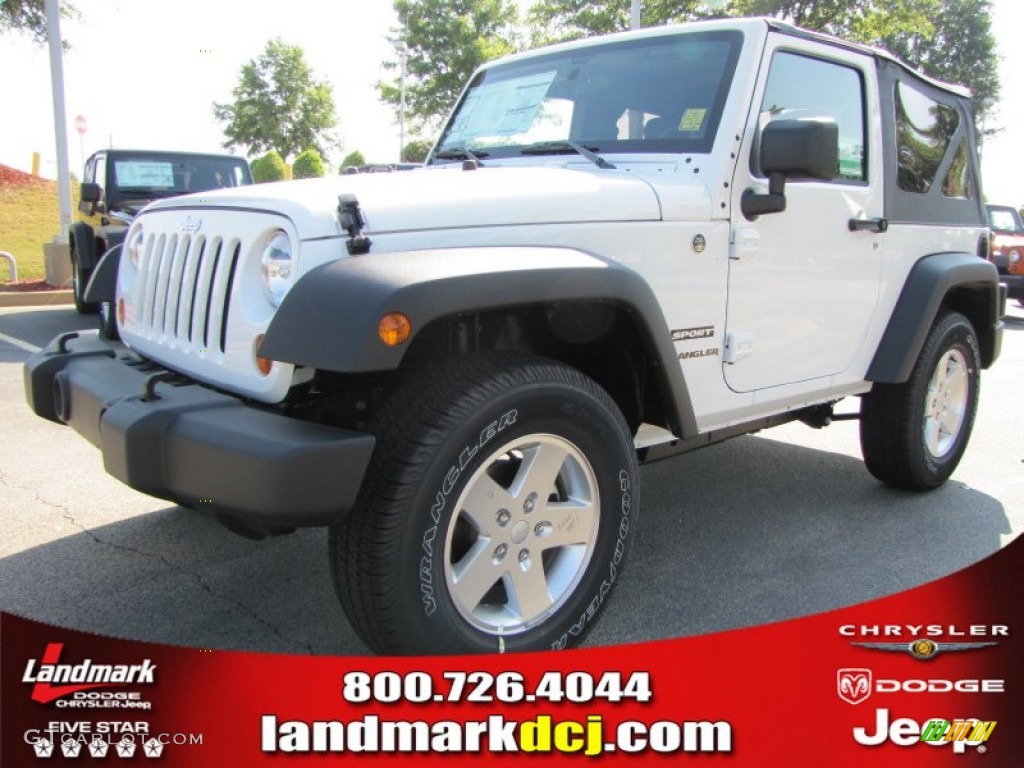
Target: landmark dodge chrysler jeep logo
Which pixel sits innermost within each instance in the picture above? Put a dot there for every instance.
(79, 677)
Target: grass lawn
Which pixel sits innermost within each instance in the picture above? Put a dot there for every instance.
(29, 218)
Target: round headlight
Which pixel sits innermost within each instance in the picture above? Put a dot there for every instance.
(278, 267)
(1014, 257)
(134, 247)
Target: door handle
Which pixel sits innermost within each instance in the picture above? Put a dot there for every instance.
(868, 225)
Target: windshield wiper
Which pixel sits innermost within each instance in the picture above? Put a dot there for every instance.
(454, 153)
(557, 147)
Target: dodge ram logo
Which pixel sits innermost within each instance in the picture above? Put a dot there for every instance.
(190, 226)
(853, 685)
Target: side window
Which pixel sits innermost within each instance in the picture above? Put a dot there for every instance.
(924, 130)
(101, 170)
(803, 87)
(89, 175)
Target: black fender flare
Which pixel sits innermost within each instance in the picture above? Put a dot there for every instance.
(112, 234)
(83, 242)
(931, 281)
(103, 281)
(329, 319)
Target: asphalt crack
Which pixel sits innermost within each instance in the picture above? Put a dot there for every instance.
(67, 515)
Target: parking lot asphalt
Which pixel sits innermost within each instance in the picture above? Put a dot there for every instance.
(761, 528)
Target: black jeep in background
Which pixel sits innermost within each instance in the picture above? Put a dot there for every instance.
(118, 183)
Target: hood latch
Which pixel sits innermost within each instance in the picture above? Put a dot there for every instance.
(352, 220)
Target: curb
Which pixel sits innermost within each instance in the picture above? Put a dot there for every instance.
(55, 298)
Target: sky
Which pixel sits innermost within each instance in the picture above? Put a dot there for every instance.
(144, 73)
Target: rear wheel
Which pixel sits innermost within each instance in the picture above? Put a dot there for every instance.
(913, 434)
(495, 514)
(79, 281)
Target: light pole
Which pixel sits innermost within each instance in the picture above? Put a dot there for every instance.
(403, 52)
(59, 113)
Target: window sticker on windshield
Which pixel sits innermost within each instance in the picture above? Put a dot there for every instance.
(144, 173)
(692, 119)
(501, 109)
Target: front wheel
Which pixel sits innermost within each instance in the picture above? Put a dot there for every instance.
(913, 434)
(495, 514)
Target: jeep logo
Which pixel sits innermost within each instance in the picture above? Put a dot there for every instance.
(191, 225)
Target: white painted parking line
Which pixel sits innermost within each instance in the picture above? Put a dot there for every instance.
(19, 343)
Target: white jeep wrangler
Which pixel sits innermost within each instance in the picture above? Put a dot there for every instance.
(620, 249)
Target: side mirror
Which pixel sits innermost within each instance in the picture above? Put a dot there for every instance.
(792, 149)
(90, 198)
(91, 192)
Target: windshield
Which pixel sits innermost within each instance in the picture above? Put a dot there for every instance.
(1005, 220)
(166, 176)
(654, 94)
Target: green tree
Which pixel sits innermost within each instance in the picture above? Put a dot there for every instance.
(557, 20)
(308, 165)
(29, 16)
(354, 158)
(269, 167)
(446, 40)
(278, 104)
(416, 150)
(947, 39)
(950, 40)
(959, 48)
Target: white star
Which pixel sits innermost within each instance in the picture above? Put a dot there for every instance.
(43, 748)
(98, 747)
(71, 748)
(125, 748)
(154, 748)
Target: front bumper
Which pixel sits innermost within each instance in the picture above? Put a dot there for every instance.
(171, 438)
(1014, 284)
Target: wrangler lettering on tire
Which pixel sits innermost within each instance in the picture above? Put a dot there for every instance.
(496, 513)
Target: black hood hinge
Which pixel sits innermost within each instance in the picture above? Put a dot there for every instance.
(352, 220)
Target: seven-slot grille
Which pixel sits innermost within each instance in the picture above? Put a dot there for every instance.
(186, 290)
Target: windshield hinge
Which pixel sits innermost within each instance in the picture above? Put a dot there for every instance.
(352, 221)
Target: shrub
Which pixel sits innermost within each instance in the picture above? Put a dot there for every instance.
(308, 165)
(270, 167)
(416, 151)
(352, 158)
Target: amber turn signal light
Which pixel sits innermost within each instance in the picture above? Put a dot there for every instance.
(394, 328)
(263, 364)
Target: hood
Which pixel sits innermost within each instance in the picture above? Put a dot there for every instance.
(445, 198)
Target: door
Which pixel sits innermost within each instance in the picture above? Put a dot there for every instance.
(802, 285)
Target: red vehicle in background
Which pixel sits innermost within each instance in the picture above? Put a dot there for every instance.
(1007, 248)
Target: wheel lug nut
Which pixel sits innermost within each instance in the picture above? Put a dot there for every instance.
(503, 517)
(530, 504)
(542, 529)
(524, 559)
(499, 552)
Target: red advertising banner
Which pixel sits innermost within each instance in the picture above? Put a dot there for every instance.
(929, 677)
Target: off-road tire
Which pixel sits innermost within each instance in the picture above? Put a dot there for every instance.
(913, 435)
(396, 558)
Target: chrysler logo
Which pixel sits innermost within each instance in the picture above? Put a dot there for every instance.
(190, 226)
